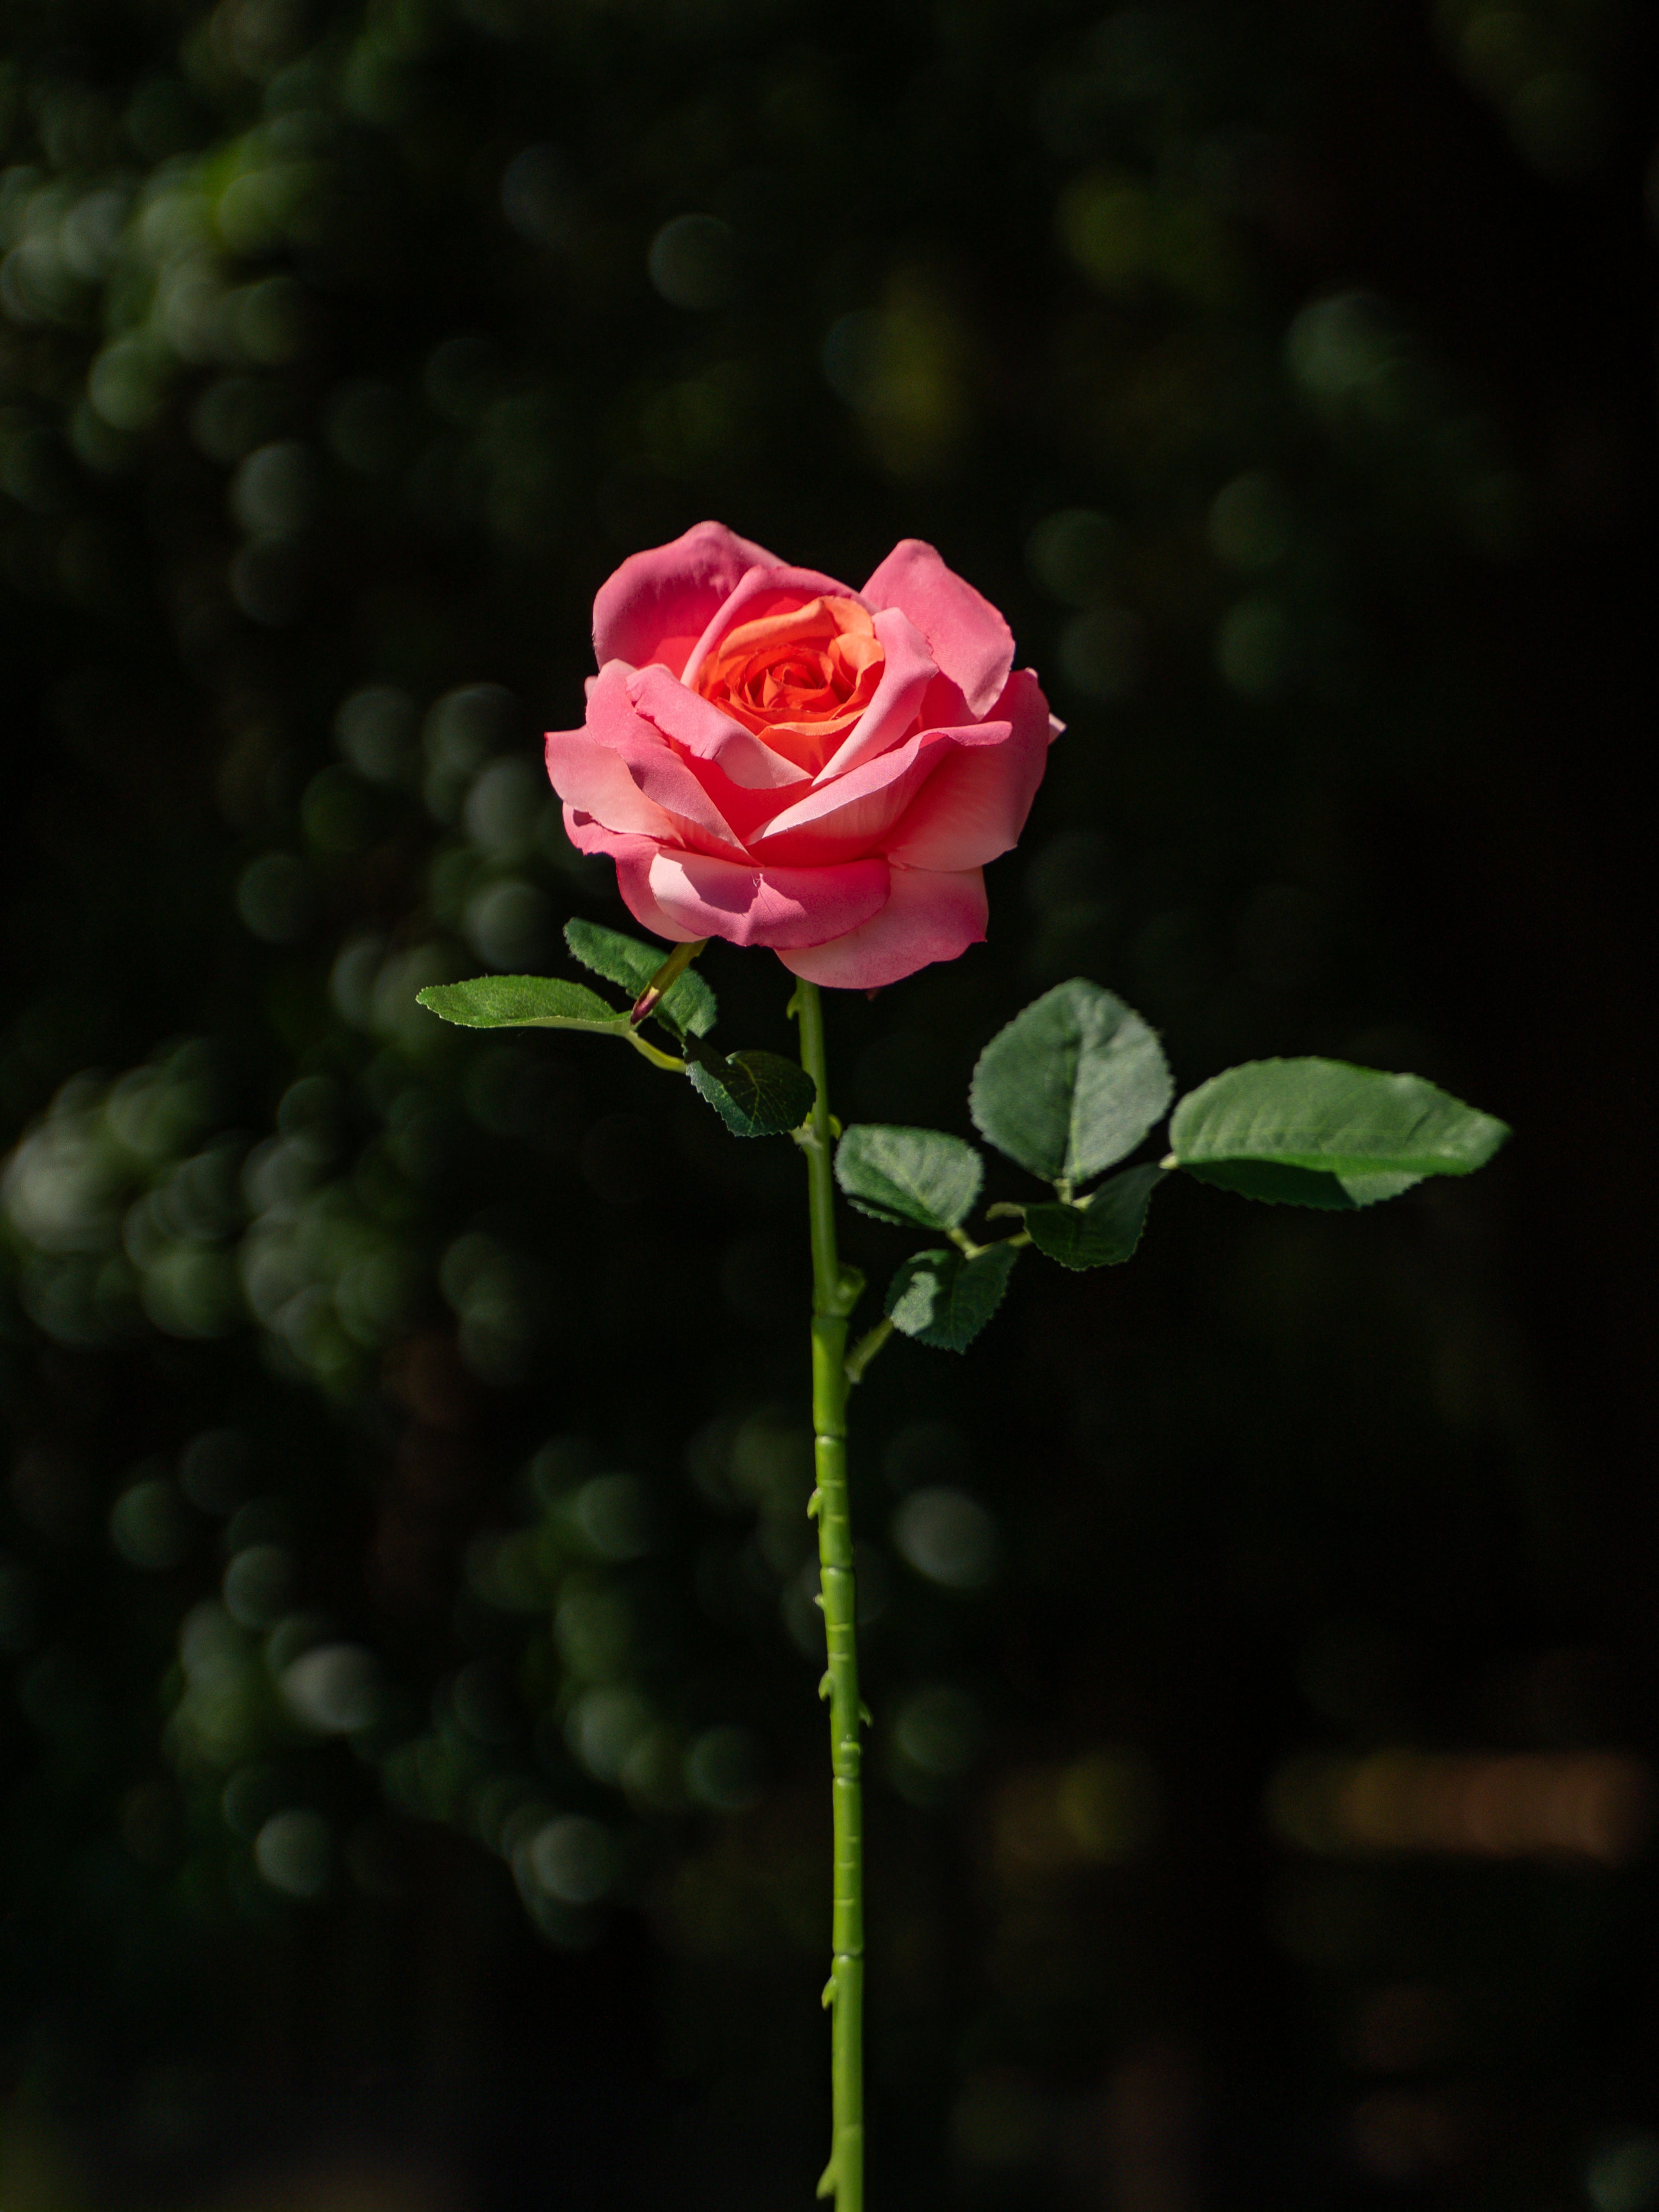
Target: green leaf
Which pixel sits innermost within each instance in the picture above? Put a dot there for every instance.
(688, 1006)
(908, 1176)
(1071, 1085)
(1281, 1185)
(1102, 1231)
(521, 1002)
(1275, 1185)
(756, 1094)
(945, 1299)
(1322, 1132)
(1370, 1189)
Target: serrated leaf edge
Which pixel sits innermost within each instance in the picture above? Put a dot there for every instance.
(964, 1260)
(975, 1096)
(616, 1027)
(895, 1218)
(1339, 1164)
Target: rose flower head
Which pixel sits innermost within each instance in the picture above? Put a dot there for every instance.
(772, 757)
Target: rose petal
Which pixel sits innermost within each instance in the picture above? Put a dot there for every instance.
(594, 779)
(966, 634)
(753, 595)
(679, 714)
(589, 835)
(905, 678)
(659, 601)
(974, 805)
(943, 707)
(857, 813)
(655, 766)
(706, 897)
(698, 725)
(633, 856)
(928, 916)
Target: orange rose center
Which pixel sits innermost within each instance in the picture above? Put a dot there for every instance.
(800, 678)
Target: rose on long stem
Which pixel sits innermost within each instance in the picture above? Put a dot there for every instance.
(834, 1293)
(875, 749)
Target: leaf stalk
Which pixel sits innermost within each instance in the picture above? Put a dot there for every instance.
(865, 1349)
(650, 1052)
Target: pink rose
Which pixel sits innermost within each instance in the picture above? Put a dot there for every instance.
(772, 758)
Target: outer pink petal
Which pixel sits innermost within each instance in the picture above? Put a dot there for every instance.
(698, 725)
(588, 835)
(907, 672)
(928, 916)
(974, 804)
(652, 764)
(856, 813)
(670, 593)
(750, 600)
(779, 907)
(591, 778)
(633, 856)
(966, 634)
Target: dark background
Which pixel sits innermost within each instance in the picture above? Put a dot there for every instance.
(415, 1792)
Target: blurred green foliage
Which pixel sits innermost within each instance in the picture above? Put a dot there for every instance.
(410, 1427)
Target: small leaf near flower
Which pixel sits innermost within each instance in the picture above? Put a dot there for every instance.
(1105, 1230)
(507, 1002)
(687, 1007)
(920, 1177)
(756, 1094)
(945, 1299)
(1322, 1132)
(1072, 1085)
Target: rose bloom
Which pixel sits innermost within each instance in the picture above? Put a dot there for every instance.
(773, 758)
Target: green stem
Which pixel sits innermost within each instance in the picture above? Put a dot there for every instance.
(833, 1296)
